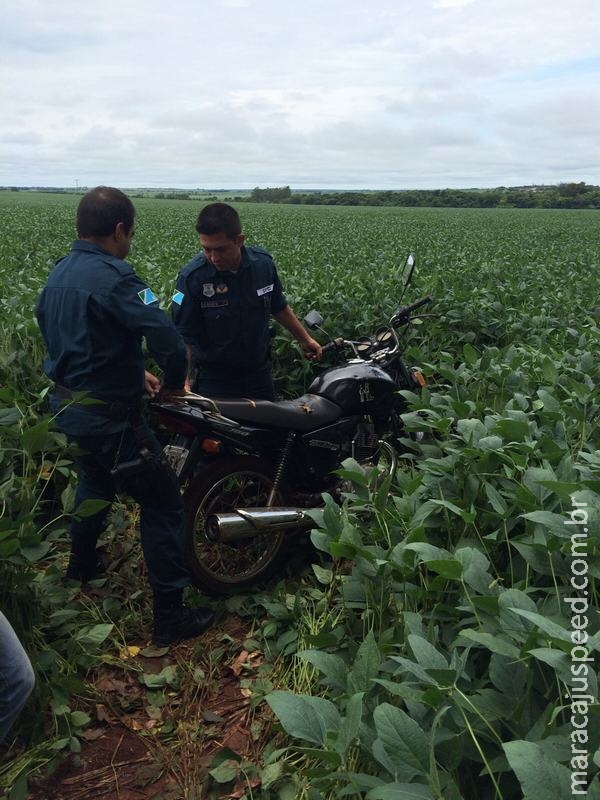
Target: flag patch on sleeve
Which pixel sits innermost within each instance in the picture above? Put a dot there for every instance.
(178, 298)
(147, 297)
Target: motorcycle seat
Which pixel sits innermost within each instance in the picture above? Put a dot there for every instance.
(305, 413)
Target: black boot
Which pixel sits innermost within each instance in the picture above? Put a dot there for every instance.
(84, 567)
(174, 622)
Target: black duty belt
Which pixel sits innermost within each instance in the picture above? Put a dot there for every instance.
(225, 371)
(117, 411)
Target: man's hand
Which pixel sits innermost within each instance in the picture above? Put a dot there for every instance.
(311, 349)
(151, 384)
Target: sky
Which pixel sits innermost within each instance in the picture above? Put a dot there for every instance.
(340, 94)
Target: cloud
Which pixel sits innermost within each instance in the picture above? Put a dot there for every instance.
(245, 92)
(452, 3)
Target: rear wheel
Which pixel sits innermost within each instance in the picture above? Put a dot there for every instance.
(223, 568)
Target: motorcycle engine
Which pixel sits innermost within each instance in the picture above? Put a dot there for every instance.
(365, 444)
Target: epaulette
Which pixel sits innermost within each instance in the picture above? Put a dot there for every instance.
(198, 261)
(259, 250)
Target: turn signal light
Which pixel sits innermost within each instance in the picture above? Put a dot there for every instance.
(211, 446)
(420, 378)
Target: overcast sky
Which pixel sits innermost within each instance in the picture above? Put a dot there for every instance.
(314, 94)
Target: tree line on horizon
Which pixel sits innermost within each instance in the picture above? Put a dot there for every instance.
(563, 195)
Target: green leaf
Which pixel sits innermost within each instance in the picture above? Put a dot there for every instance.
(405, 744)
(447, 568)
(226, 771)
(79, 719)
(490, 443)
(471, 430)
(36, 552)
(497, 502)
(90, 507)
(426, 654)
(95, 635)
(511, 622)
(332, 666)
(324, 576)
(474, 568)
(490, 642)
(305, 717)
(513, 430)
(540, 778)
(557, 659)
(169, 676)
(553, 522)
(400, 791)
(467, 516)
(470, 354)
(351, 723)
(366, 665)
(544, 624)
(9, 416)
(36, 438)
(270, 774)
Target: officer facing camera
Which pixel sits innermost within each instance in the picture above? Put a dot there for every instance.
(223, 304)
(94, 313)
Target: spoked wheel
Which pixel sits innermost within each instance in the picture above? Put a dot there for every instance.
(224, 568)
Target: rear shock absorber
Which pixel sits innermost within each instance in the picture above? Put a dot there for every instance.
(281, 467)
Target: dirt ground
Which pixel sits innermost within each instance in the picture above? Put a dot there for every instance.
(133, 750)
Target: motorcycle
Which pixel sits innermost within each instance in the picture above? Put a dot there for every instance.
(250, 470)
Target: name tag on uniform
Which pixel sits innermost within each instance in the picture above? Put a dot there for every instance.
(265, 290)
(213, 303)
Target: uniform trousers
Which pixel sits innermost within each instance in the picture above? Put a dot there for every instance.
(161, 507)
(16, 676)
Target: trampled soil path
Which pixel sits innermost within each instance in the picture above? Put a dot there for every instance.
(133, 750)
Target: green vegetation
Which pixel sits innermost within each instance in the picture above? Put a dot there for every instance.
(427, 651)
(565, 195)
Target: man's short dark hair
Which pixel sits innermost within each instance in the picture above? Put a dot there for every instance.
(219, 218)
(100, 211)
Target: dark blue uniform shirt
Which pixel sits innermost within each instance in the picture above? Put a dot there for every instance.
(93, 313)
(225, 315)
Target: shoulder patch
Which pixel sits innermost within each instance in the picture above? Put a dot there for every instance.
(147, 297)
(178, 298)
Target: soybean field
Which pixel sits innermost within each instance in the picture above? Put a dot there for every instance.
(442, 641)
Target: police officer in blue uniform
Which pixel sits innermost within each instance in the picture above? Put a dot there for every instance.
(224, 300)
(94, 313)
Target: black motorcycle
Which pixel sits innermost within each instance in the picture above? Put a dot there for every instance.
(250, 469)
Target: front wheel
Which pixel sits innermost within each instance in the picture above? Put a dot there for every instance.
(224, 568)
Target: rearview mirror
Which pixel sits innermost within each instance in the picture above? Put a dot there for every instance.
(313, 319)
(409, 268)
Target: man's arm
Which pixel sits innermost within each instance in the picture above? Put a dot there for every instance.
(188, 385)
(311, 348)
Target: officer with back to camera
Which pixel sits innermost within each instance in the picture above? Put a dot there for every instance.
(225, 297)
(94, 313)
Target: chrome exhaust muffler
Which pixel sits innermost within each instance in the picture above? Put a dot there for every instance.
(245, 523)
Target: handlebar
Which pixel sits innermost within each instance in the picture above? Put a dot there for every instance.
(335, 344)
(401, 316)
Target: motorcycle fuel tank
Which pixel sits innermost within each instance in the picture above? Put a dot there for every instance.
(358, 388)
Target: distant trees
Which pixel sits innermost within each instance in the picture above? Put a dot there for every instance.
(275, 194)
(565, 195)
